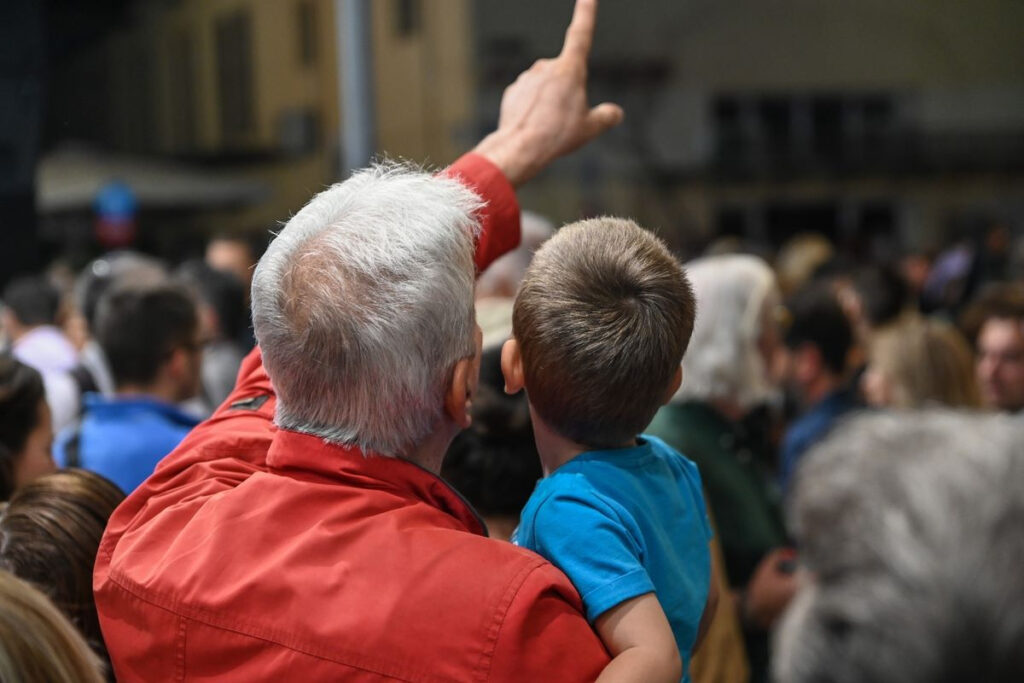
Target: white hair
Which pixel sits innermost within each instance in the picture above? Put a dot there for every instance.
(364, 303)
(723, 361)
(910, 524)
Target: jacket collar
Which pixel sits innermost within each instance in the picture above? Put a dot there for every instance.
(349, 465)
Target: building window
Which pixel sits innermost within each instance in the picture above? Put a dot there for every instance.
(182, 86)
(306, 18)
(408, 17)
(792, 131)
(234, 76)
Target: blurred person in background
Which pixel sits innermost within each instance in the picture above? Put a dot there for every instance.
(26, 432)
(996, 324)
(920, 362)
(818, 339)
(909, 528)
(37, 643)
(31, 307)
(730, 372)
(799, 258)
(127, 267)
(50, 531)
(501, 279)
(223, 318)
(150, 338)
(30, 321)
(235, 254)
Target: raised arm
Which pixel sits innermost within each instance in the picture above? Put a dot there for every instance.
(545, 113)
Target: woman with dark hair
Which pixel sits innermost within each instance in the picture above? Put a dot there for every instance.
(49, 535)
(26, 429)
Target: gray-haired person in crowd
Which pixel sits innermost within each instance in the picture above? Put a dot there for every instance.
(911, 529)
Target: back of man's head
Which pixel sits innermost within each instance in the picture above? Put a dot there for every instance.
(816, 318)
(364, 304)
(139, 328)
(602, 320)
(909, 525)
(33, 301)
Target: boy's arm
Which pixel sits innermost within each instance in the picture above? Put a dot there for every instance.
(614, 585)
(640, 640)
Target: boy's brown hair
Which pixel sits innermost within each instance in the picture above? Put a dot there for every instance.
(602, 320)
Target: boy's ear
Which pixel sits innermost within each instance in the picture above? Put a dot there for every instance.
(673, 385)
(512, 366)
(458, 400)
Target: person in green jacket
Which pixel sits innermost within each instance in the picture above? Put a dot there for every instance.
(717, 420)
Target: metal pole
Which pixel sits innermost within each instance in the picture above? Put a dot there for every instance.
(355, 91)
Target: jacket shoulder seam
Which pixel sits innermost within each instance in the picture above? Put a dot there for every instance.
(483, 668)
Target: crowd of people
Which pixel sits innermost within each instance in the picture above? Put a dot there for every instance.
(420, 437)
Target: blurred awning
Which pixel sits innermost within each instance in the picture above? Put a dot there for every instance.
(69, 179)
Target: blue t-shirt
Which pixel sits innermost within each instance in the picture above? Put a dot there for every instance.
(123, 438)
(625, 522)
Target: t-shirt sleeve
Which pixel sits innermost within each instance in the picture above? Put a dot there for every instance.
(596, 545)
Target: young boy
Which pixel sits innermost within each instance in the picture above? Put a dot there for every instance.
(600, 326)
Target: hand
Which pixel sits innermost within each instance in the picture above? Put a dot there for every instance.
(770, 588)
(544, 113)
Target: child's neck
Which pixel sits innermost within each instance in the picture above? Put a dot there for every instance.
(554, 449)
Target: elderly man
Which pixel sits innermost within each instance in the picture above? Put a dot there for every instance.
(910, 531)
(327, 548)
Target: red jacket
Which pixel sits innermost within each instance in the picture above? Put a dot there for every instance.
(261, 554)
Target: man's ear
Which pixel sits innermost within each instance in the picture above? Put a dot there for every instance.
(458, 400)
(512, 367)
(673, 386)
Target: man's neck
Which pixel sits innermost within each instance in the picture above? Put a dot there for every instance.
(429, 453)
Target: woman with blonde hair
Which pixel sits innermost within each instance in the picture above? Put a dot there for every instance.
(37, 644)
(918, 362)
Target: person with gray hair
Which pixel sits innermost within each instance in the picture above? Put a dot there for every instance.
(716, 420)
(327, 547)
(911, 530)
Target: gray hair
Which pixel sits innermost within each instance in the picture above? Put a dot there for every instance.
(364, 303)
(912, 528)
(723, 361)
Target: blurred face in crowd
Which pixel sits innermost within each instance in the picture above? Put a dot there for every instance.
(36, 458)
(232, 256)
(1001, 363)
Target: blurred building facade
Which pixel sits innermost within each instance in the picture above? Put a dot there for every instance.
(870, 121)
(252, 86)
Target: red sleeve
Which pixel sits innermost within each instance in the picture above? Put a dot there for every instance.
(499, 220)
(545, 636)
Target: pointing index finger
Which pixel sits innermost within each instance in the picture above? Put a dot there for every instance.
(580, 34)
